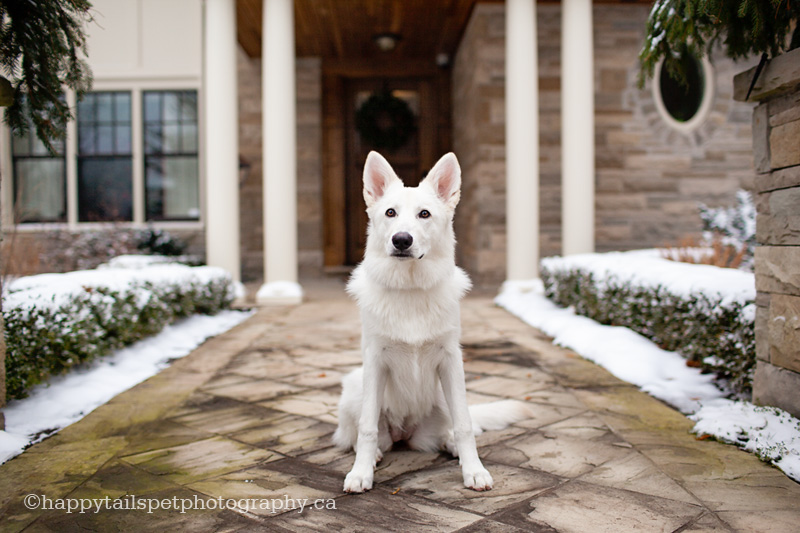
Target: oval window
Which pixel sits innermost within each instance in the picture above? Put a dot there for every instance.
(684, 104)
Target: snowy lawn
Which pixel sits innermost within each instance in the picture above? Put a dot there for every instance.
(770, 433)
(68, 398)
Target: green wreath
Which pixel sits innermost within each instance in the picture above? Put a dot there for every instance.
(385, 122)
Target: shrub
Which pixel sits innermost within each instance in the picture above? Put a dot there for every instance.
(711, 330)
(56, 321)
(159, 242)
(733, 226)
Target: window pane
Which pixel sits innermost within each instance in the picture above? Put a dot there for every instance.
(122, 140)
(21, 145)
(172, 191)
(171, 168)
(189, 106)
(86, 109)
(152, 107)
(104, 189)
(172, 139)
(104, 107)
(683, 100)
(189, 138)
(38, 147)
(122, 107)
(152, 139)
(105, 140)
(86, 140)
(40, 190)
(171, 107)
(104, 126)
(154, 185)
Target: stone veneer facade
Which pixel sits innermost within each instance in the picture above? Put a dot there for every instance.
(776, 150)
(649, 177)
(309, 167)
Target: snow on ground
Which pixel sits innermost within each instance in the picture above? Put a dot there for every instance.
(625, 353)
(68, 398)
(770, 433)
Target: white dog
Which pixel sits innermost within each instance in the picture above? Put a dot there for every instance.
(411, 385)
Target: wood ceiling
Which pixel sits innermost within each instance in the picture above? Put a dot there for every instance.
(344, 29)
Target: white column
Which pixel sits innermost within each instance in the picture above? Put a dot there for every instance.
(71, 164)
(221, 137)
(577, 128)
(280, 155)
(137, 148)
(6, 187)
(522, 141)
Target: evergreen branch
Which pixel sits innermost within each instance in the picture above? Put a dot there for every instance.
(41, 43)
(745, 28)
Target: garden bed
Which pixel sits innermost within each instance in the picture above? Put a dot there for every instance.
(705, 313)
(56, 321)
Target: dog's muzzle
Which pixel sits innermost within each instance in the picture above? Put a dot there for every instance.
(402, 241)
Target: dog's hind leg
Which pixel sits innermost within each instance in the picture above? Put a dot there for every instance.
(346, 433)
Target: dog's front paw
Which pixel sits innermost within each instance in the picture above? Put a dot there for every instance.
(477, 479)
(358, 481)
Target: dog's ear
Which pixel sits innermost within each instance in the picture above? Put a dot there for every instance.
(378, 175)
(445, 178)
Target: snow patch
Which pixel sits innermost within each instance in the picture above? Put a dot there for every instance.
(280, 292)
(771, 433)
(768, 432)
(626, 354)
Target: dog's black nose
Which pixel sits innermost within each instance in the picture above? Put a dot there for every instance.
(402, 241)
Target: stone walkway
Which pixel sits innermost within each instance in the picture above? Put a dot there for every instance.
(247, 418)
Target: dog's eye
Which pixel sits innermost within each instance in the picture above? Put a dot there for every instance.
(391, 213)
(424, 214)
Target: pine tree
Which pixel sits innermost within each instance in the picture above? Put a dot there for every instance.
(41, 47)
(744, 28)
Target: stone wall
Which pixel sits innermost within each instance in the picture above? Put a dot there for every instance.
(26, 252)
(649, 177)
(309, 166)
(479, 144)
(776, 150)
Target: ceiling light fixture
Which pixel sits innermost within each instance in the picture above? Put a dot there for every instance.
(386, 41)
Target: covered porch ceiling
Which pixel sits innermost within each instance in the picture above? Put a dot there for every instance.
(336, 29)
(345, 29)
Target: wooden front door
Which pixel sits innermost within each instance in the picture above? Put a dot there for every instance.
(346, 151)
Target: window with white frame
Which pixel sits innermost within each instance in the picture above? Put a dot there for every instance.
(39, 184)
(106, 172)
(170, 147)
(105, 158)
(685, 103)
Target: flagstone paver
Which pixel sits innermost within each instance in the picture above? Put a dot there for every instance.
(241, 429)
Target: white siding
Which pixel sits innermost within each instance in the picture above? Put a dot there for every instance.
(145, 39)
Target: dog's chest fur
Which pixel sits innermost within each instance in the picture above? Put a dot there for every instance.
(411, 316)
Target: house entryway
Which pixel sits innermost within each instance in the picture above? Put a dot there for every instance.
(366, 112)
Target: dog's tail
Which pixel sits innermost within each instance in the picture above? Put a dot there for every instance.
(497, 415)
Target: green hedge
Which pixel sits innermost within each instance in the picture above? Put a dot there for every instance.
(46, 335)
(717, 334)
